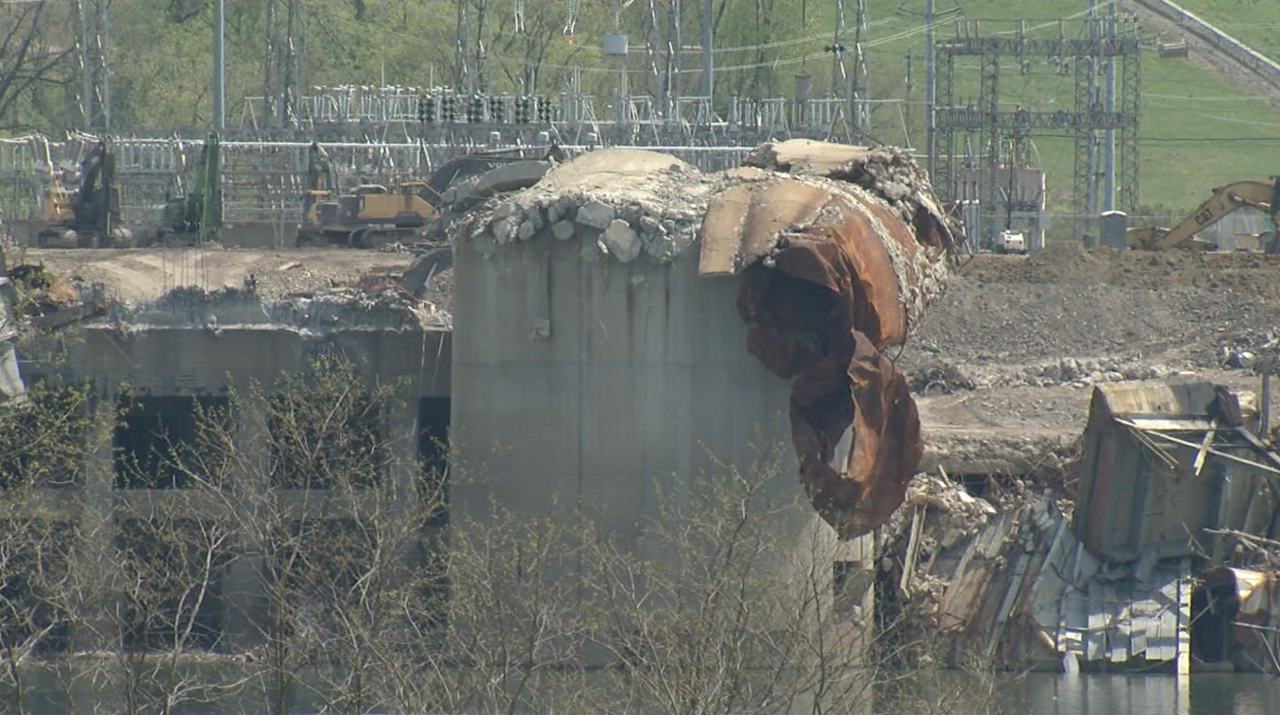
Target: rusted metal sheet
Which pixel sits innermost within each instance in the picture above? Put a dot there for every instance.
(743, 222)
(834, 274)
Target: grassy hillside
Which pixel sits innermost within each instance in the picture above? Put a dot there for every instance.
(1254, 22)
(1197, 131)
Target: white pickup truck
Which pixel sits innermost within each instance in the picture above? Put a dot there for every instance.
(1011, 242)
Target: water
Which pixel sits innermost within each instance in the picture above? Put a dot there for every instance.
(1034, 694)
(1208, 694)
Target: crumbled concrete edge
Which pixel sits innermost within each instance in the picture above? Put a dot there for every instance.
(346, 308)
(606, 225)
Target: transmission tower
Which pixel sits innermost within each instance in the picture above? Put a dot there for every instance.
(1095, 43)
(93, 40)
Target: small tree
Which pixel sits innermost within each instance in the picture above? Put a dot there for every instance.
(736, 610)
(44, 447)
(315, 489)
(32, 55)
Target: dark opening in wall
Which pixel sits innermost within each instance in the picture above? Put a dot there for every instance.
(977, 485)
(1214, 608)
(46, 443)
(156, 435)
(433, 454)
(316, 567)
(36, 591)
(323, 444)
(171, 574)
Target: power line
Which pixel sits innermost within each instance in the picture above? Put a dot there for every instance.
(1206, 140)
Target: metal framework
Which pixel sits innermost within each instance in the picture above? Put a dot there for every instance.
(443, 115)
(262, 181)
(1002, 133)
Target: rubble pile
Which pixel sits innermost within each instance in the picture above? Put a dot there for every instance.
(656, 213)
(939, 375)
(1100, 304)
(955, 515)
(888, 173)
(374, 301)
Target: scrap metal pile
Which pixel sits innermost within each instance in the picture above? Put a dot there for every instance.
(841, 249)
(1160, 555)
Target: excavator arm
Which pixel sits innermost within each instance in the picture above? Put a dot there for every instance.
(1226, 199)
(322, 183)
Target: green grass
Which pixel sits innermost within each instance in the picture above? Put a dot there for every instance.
(1197, 130)
(1253, 22)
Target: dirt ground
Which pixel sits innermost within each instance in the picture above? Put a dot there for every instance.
(137, 275)
(1009, 355)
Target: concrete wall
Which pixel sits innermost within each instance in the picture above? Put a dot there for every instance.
(200, 362)
(204, 361)
(587, 389)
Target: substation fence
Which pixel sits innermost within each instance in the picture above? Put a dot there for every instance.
(261, 181)
(382, 112)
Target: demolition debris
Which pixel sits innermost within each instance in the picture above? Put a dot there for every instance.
(841, 248)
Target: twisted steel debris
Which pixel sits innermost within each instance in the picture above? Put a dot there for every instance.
(843, 248)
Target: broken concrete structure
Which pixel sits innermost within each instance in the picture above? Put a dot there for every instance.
(154, 364)
(589, 310)
(1155, 567)
(1168, 466)
(616, 329)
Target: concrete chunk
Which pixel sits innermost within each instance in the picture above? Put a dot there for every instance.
(562, 230)
(595, 214)
(505, 230)
(503, 210)
(621, 241)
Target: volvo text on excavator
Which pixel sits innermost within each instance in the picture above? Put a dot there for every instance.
(1225, 199)
(372, 216)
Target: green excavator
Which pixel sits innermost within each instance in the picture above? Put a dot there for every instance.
(192, 217)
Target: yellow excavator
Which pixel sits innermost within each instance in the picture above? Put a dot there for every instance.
(1225, 199)
(371, 216)
(88, 214)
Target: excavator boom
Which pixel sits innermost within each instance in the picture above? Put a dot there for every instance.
(1225, 199)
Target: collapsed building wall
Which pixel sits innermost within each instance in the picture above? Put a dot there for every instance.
(1162, 560)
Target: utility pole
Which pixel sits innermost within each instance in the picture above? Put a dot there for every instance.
(837, 47)
(911, 88)
(930, 81)
(482, 50)
(462, 75)
(95, 91)
(674, 41)
(219, 66)
(862, 79)
(106, 68)
(1109, 191)
(707, 30)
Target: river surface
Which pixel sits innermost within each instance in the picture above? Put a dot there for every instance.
(1202, 694)
(1033, 694)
